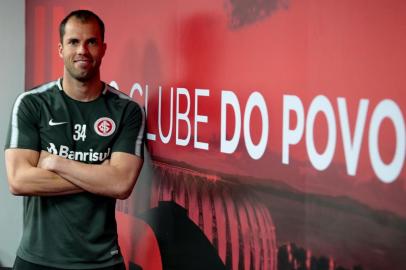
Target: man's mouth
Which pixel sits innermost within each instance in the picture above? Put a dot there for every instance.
(82, 62)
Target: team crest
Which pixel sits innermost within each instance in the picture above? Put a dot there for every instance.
(104, 126)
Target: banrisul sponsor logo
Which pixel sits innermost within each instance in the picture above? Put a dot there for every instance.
(64, 151)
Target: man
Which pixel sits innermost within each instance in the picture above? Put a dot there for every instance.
(74, 146)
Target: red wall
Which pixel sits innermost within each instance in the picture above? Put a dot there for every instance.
(276, 128)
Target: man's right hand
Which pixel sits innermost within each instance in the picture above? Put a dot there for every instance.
(26, 174)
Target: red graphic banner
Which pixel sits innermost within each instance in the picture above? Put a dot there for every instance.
(276, 131)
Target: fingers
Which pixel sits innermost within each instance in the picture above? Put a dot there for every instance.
(106, 162)
(44, 161)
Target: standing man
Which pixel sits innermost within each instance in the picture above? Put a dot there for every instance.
(74, 146)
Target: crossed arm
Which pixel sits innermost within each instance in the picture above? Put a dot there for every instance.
(45, 174)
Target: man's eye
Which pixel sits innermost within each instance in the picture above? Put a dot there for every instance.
(72, 42)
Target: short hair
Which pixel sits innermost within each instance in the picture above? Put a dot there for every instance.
(84, 16)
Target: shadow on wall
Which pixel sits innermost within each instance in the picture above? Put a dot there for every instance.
(243, 13)
(2, 267)
(182, 243)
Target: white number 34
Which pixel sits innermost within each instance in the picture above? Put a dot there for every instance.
(80, 132)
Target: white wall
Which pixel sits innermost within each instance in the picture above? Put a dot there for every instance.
(12, 48)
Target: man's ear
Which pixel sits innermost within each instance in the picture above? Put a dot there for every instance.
(104, 48)
(60, 49)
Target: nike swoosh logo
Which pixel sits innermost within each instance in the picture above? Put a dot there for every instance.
(52, 123)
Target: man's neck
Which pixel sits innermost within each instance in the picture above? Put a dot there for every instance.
(82, 91)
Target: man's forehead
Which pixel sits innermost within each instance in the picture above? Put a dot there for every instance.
(76, 26)
(78, 23)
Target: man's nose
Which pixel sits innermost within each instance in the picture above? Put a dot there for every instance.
(82, 49)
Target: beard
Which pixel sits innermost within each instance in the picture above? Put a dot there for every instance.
(81, 74)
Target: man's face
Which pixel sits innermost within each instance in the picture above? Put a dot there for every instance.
(82, 49)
